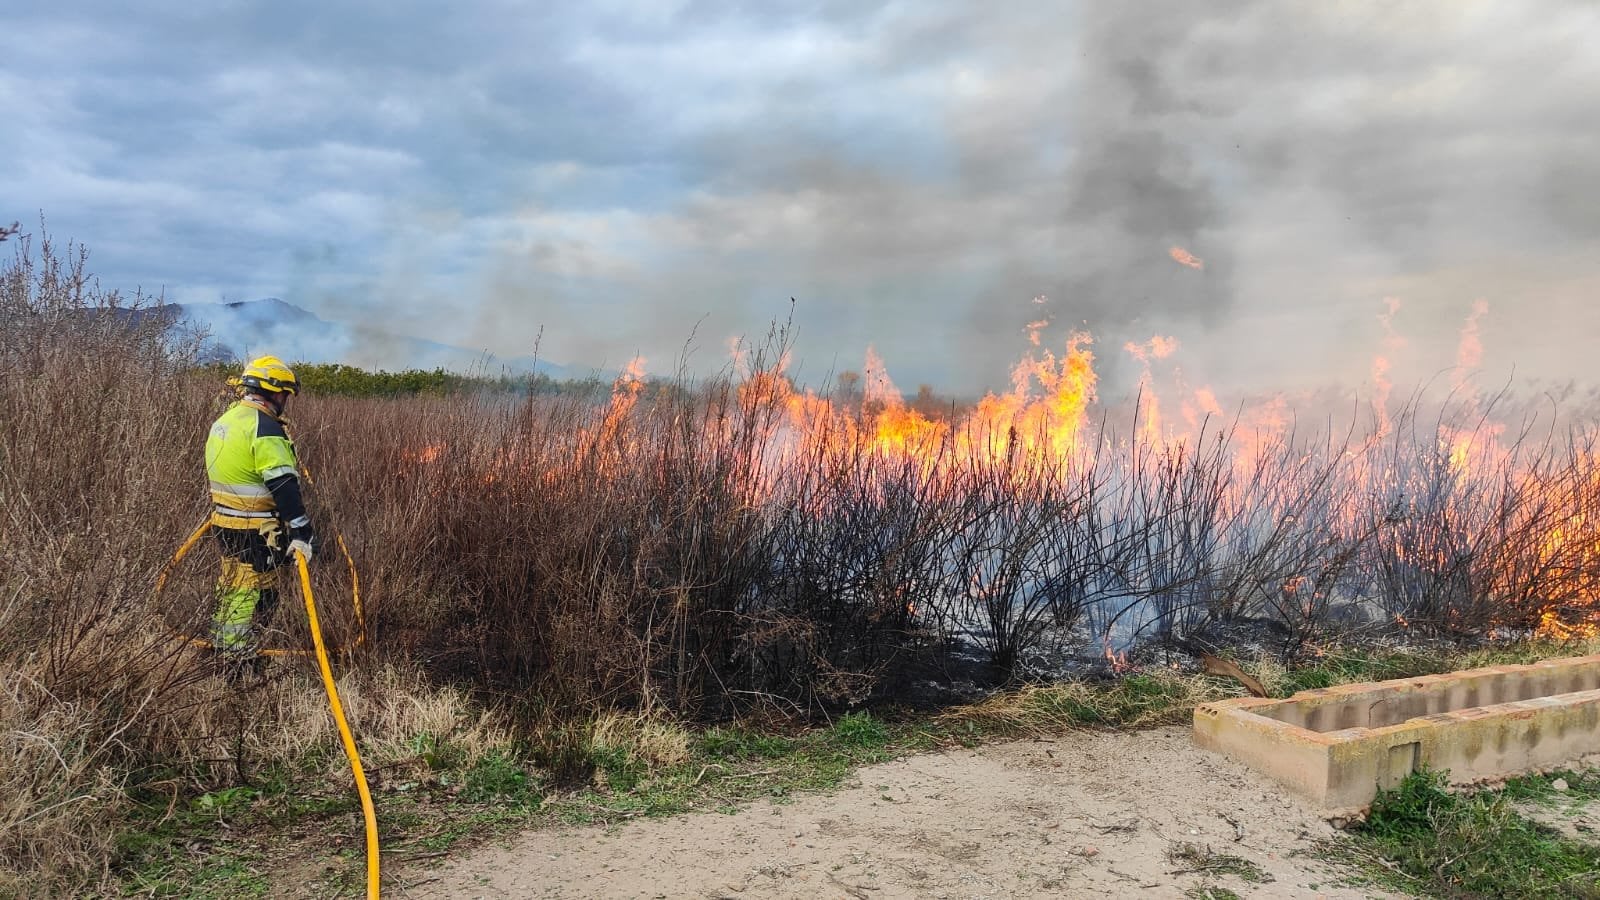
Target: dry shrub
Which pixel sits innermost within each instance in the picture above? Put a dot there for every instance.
(101, 430)
(96, 448)
(627, 551)
(399, 713)
(58, 799)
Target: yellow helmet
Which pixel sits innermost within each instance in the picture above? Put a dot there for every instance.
(268, 373)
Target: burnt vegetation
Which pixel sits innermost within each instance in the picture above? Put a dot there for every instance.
(687, 548)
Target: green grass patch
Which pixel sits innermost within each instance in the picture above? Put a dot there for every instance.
(500, 778)
(221, 876)
(228, 841)
(182, 847)
(730, 766)
(437, 753)
(1582, 787)
(742, 743)
(1139, 696)
(859, 730)
(1422, 839)
(1352, 666)
(1346, 666)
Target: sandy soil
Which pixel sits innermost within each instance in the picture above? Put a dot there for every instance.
(1086, 814)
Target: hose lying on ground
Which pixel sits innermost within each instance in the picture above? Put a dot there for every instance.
(319, 650)
(349, 740)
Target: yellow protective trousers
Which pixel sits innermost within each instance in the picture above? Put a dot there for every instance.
(247, 588)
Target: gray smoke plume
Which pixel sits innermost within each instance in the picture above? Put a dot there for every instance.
(915, 174)
(1141, 201)
(1141, 240)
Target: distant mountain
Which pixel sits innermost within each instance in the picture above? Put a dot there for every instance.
(245, 329)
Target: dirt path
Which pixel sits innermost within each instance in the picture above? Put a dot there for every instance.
(1087, 814)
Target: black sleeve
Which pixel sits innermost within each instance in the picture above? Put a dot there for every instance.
(286, 494)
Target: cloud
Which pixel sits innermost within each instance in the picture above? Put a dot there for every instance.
(914, 174)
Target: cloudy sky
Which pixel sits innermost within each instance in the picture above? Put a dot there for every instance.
(915, 174)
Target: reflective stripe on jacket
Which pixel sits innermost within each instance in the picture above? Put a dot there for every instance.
(247, 447)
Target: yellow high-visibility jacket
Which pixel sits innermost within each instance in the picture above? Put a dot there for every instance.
(247, 450)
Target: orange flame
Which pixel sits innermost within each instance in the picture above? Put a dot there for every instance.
(1382, 363)
(1158, 347)
(1044, 417)
(1118, 660)
(1185, 258)
(1034, 328)
(426, 456)
(1469, 354)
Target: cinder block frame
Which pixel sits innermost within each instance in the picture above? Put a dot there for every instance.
(1338, 746)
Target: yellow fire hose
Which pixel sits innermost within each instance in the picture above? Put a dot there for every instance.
(321, 652)
(349, 740)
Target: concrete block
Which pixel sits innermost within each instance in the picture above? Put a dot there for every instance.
(1338, 746)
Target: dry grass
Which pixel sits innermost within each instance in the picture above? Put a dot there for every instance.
(400, 713)
(651, 742)
(1159, 697)
(57, 798)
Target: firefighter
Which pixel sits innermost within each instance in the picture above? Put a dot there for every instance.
(259, 517)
